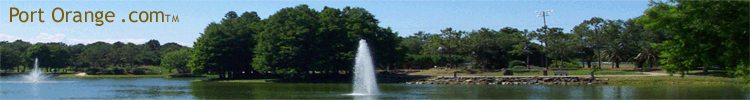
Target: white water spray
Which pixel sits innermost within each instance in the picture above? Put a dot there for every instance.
(364, 72)
(36, 75)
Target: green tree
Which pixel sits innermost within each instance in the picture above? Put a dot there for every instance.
(299, 42)
(416, 43)
(226, 48)
(9, 58)
(704, 33)
(592, 38)
(586, 51)
(152, 52)
(494, 49)
(171, 46)
(13, 50)
(20, 46)
(383, 42)
(50, 55)
(449, 43)
(96, 54)
(75, 53)
(176, 60)
(290, 41)
(614, 47)
(641, 39)
(523, 47)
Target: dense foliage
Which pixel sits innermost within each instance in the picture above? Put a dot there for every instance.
(226, 47)
(705, 33)
(177, 60)
(95, 57)
(299, 42)
(304, 43)
(295, 42)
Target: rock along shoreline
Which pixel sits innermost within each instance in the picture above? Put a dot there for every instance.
(511, 81)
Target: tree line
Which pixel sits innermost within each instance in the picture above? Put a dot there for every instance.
(304, 43)
(675, 35)
(295, 42)
(593, 40)
(704, 34)
(96, 57)
(299, 42)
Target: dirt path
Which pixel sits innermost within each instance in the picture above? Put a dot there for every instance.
(81, 74)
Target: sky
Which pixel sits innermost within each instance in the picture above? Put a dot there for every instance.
(404, 17)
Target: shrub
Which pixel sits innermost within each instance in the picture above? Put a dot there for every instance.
(183, 71)
(78, 69)
(508, 72)
(566, 64)
(515, 63)
(127, 70)
(518, 67)
(116, 70)
(93, 71)
(140, 71)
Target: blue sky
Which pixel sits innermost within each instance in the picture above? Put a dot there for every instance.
(404, 17)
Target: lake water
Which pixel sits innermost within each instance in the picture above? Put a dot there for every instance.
(172, 88)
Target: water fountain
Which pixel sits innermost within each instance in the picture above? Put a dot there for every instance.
(364, 72)
(36, 75)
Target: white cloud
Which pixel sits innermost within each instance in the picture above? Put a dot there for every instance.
(6, 37)
(42, 37)
(74, 40)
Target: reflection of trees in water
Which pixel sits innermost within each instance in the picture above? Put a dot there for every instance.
(213, 90)
(228, 90)
(691, 92)
(573, 92)
(150, 91)
(220, 90)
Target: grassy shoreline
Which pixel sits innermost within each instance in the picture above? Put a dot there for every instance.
(127, 76)
(113, 76)
(624, 80)
(675, 80)
(578, 72)
(449, 72)
(241, 80)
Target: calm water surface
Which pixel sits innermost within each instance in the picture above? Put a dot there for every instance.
(171, 88)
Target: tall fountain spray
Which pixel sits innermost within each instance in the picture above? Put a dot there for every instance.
(364, 72)
(36, 75)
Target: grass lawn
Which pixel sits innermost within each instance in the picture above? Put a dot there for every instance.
(449, 72)
(623, 66)
(212, 75)
(156, 69)
(577, 72)
(153, 69)
(674, 80)
(710, 72)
